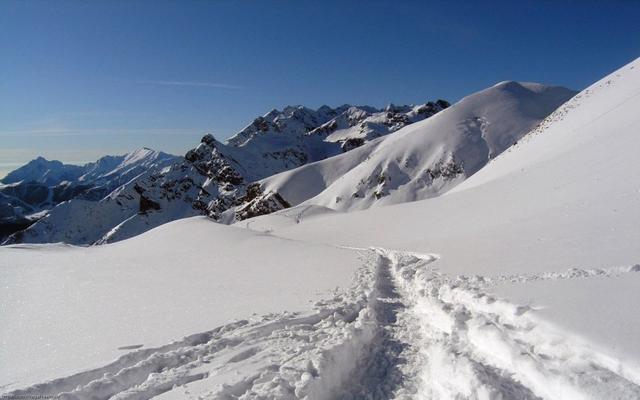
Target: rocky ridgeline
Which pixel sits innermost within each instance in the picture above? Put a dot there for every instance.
(218, 179)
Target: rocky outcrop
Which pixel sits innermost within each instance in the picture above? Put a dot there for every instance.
(357, 125)
(256, 203)
(351, 143)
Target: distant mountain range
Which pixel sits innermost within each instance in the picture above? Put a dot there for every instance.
(344, 158)
(29, 191)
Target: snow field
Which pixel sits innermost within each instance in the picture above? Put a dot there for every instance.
(402, 331)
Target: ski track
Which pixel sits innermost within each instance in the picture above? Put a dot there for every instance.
(402, 331)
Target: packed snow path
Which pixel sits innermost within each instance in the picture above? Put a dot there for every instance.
(473, 346)
(403, 331)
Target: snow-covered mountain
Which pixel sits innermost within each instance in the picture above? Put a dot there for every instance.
(42, 184)
(110, 171)
(297, 135)
(44, 171)
(215, 179)
(519, 283)
(426, 158)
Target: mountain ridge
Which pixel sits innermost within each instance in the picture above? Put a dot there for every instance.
(232, 180)
(427, 158)
(29, 191)
(215, 178)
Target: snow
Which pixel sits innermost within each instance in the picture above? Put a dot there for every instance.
(41, 185)
(609, 321)
(67, 309)
(566, 196)
(101, 172)
(402, 330)
(115, 171)
(44, 171)
(520, 283)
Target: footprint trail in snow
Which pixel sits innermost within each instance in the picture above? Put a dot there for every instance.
(402, 331)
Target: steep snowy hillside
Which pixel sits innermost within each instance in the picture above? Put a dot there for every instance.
(111, 172)
(552, 226)
(215, 179)
(426, 158)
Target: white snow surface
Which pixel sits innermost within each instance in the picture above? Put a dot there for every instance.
(65, 308)
(519, 284)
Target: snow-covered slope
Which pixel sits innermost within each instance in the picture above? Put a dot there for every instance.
(112, 172)
(215, 179)
(426, 158)
(553, 225)
(297, 135)
(574, 179)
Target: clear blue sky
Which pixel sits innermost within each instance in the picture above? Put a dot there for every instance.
(79, 79)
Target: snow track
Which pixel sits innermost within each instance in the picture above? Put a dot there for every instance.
(285, 355)
(473, 346)
(402, 331)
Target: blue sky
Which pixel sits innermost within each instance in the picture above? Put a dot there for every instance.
(79, 79)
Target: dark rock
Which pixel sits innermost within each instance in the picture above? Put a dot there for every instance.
(139, 189)
(192, 155)
(256, 203)
(209, 140)
(446, 170)
(351, 144)
(147, 204)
